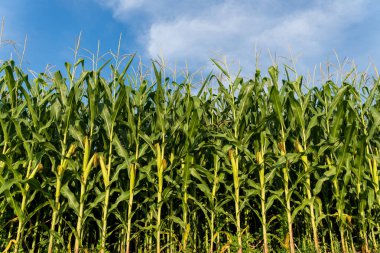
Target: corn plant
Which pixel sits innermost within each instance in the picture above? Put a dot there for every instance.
(144, 162)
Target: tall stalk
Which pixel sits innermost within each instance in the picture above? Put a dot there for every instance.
(260, 162)
(287, 196)
(306, 165)
(109, 117)
(57, 205)
(86, 169)
(20, 230)
(213, 200)
(106, 180)
(278, 110)
(235, 174)
(67, 100)
(185, 165)
(132, 179)
(299, 108)
(161, 166)
(139, 101)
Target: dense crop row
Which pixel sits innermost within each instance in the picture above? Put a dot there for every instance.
(138, 164)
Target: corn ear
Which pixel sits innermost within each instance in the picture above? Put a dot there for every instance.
(104, 171)
(89, 166)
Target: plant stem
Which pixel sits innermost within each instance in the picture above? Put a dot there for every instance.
(213, 198)
(235, 173)
(260, 161)
(161, 166)
(305, 163)
(130, 203)
(55, 214)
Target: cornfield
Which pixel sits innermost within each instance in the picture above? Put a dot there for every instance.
(143, 163)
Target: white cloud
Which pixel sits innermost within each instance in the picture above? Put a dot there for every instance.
(195, 32)
(121, 7)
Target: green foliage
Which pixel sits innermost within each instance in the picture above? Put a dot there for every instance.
(145, 164)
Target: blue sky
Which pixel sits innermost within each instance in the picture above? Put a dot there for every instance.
(189, 33)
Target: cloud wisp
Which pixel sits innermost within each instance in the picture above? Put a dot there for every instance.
(193, 33)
